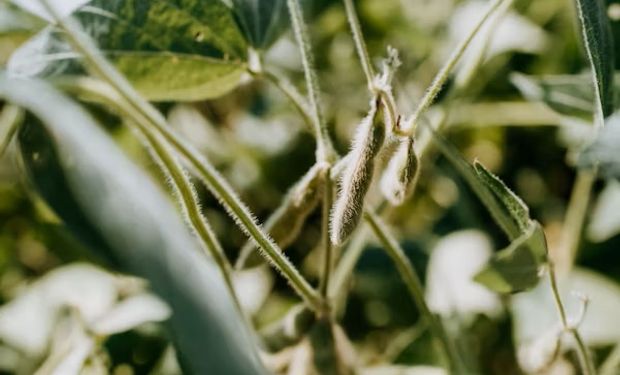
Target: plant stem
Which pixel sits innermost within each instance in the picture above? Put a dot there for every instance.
(575, 218)
(414, 286)
(612, 362)
(328, 256)
(360, 45)
(324, 149)
(444, 73)
(154, 121)
(291, 92)
(189, 203)
(10, 118)
(585, 361)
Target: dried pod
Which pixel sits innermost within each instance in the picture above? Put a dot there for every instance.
(287, 221)
(401, 174)
(357, 176)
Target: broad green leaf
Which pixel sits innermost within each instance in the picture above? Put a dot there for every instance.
(516, 268)
(182, 50)
(262, 21)
(67, 155)
(604, 152)
(599, 44)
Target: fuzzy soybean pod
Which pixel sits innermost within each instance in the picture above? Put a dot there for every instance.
(357, 176)
(401, 175)
(285, 224)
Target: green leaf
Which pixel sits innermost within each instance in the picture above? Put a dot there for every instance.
(182, 50)
(516, 268)
(90, 183)
(16, 27)
(262, 21)
(604, 152)
(516, 208)
(599, 44)
(470, 175)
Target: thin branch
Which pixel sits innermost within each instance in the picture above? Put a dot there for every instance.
(414, 286)
(585, 361)
(153, 121)
(324, 147)
(360, 45)
(444, 73)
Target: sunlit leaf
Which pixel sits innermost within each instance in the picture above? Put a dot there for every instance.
(170, 50)
(599, 44)
(605, 221)
(68, 155)
(516, 268)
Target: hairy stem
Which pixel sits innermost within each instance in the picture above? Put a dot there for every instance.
(587, 367)
(360, 45)
(414, 286)
(324, 149)
(154, 121)
(328, 256)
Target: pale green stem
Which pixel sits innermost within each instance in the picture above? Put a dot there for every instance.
(10, 119)
(360, 45)
(444, 72)
(328, 256)
(291, 92)
(324, 147)
(574, 220)
(214, 181)
(587, 367)
(414, 286)
(611, 366)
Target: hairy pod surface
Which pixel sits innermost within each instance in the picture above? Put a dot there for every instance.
(285, 224)
(401, 175)
(357, 177)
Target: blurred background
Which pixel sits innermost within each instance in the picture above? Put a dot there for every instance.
(506, 119)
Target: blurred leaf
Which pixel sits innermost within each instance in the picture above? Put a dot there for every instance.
(402, 370)
(70, 348)
(516, 268)
(535, 312)
(450, 289)
(599, 44)
(605, 221)
(571, 95)
(130, 313)
(27, 322)
(128, 213)
(63, 7)
(262, 21)
(16, 26)
(170, 50)
(604, 151)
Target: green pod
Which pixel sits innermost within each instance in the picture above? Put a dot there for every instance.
(357, 177)
(285, 223)
(401, 175)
